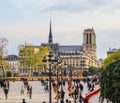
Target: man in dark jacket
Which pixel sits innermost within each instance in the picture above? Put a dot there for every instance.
(62, 96)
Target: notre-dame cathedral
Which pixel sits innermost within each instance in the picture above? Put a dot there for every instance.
(77, 56)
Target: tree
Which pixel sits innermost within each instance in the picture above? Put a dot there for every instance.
(113, 57)
(43, 51)
(110, 83)
(26, 56)
(3, 52)
(29, 57)
(9, 74)
(92, 70)
(95, 70)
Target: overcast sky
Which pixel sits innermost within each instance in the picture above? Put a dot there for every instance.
(28, 21)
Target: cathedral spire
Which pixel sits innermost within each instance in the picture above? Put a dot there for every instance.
(50, 34)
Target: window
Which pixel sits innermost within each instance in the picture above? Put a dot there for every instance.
(87, 38)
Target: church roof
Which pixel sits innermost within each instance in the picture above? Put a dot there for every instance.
(70, 48)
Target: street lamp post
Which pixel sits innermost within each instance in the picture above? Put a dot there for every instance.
(59, 62)
(50, 60)
(70, 73)
(50, 98)
(57, 76)
(61, 80)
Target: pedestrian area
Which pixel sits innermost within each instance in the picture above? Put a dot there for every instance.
(38, 93)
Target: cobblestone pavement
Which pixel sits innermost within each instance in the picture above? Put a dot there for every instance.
(38, 94)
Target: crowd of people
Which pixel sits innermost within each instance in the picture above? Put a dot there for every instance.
(75, 89)
(5, 85)
(27, 87)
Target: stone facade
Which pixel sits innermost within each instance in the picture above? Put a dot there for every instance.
(89, 43)
(13, 62)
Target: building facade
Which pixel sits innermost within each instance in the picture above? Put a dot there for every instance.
(74, 57)
(13, 63)
(77, 56)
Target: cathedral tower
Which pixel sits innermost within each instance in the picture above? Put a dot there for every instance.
(50, 35)
(89, 43)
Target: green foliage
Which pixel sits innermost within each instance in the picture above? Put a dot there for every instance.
(26, 55)
(113, 57)
(43, 51)
(110, 83)
(99, 70)
(30, 56)
(92, 70)
(85, 73)
(9, 74)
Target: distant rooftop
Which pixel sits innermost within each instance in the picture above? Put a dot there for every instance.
(11, 57)
(70, 47)
(113, 50)
(70, 50)
(89, 29)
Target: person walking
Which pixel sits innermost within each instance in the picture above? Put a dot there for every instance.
(82, 98)
(6, 92)
(57, 97)
(81, 87)
(30, 92)
(75, 94)
(62, 96)
(28, 89)
(46, 87)
(22, 90)
(6, 89)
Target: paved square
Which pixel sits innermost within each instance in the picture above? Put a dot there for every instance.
(38, 93)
